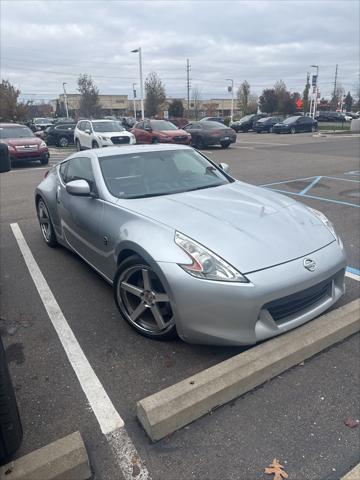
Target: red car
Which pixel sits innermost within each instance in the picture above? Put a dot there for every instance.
(159, 131)
(23, 144)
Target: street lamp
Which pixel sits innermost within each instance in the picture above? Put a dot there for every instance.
(134, 96)
(65, 98)
(138, 50)
(232, 98)
(316, 89)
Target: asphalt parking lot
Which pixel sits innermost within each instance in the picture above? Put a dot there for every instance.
(297, 417)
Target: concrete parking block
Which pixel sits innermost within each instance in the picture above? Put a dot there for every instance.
(354, 474)
(65, 459)
(174, 407)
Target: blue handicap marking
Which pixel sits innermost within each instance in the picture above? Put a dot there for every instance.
(353, 273)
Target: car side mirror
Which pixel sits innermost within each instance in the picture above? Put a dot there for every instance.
(79, 188)
(225, 167)
(87, 131)
(5, 162)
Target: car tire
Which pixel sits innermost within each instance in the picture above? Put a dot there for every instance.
(313, 128)
(225, 144)
(140, 309)
(46, 226)
(94, 144)
(199, 143)
(154, 140)
(292, 130)
(271, 130)
(10, 425)
(63, 142)
(44, 161)
(78, 145)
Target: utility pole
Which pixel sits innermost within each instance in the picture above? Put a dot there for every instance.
(188, 84)
(65, 98)
(335, 81)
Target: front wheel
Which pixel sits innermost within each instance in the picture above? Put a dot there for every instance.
(271, 130)
(313, 128)
(94, 144)
(63, 142)
(78, 145)
(142, 299)
(292, 130)
(46, 225)
(44, 160)
(225, 144)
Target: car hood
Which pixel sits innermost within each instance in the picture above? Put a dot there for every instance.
(250, 227)
(171, 133)
(15, 142)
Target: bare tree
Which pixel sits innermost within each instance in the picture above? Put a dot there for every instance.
(336, 97)
(196, 102)
(89, 102)
(10, 107)
(155, 94)
(243, 97)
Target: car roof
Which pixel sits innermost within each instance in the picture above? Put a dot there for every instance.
(126, 149)
(9, 125)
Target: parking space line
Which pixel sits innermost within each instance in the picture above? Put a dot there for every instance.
(344, 179)
(111, 424)
(353, 273)
(267, 143)
(286, 181)
(306, 189)
(315, 198)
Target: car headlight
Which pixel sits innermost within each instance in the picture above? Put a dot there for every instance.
(106, 139)
(327, 223)
(42, 145)
(206, 264)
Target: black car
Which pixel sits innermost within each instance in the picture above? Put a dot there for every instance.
(212, 119)
(266, 124)
(60, 134)
(205, 133)
(64, 120)
(246, 123)
(330, 117)
(296, 124)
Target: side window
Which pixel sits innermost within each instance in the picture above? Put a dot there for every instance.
(88, 126)
(140, 125)
(62, 169)
(80, 126)
(189, 126)
(80, 169)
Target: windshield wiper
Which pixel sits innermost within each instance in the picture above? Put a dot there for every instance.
(205, 186)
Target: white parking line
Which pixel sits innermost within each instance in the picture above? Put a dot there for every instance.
(111, 424)
(265, 143)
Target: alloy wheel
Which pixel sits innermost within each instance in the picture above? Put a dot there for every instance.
(144, 300)
(44, 220)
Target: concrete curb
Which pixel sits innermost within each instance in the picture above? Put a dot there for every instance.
(176, 406)
(65, 459)
(354, 474)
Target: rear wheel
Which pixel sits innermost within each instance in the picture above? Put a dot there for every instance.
(154, 141)
(292, 130)
(63, 142)
(78, 145)
(44, 160)
(271, 130)
(199, 143)
(225, 144)
(142, 299)
(46, 225)
(10, 425)
(94, 144)
(313, 128)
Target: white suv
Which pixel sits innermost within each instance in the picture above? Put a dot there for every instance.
(101, 133)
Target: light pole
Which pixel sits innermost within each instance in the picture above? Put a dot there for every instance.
(316, 88)
(134, 96)
(232, 98)
(65, 98)
(138, 50)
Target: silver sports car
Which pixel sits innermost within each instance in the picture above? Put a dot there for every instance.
(187, 248)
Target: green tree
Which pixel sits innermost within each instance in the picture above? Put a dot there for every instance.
(155, 94)
(176, 108)
(268, 101)
(89, 101)
(10, 107)
(243, 97)
(305, 97)
(348, 102)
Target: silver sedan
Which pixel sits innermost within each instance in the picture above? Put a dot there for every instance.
(188, 249)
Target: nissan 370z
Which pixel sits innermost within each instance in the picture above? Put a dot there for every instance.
(188, 249)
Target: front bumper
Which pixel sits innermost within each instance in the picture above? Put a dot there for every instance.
(221, 313)
(29, 156)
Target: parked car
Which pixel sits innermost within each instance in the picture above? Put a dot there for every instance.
(159, 131)
(64, 120)
(37, 124)
(296, 124)
(23, 144)
(330, 117)
(189, 249)
(101, 133)
(60, 134)
(213, 119)
(246, 123)
(10, 424)
(210, 133)
(266, 124)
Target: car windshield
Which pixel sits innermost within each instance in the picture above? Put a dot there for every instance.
(110, 126)
(290, 120)
(162, 125)
(15, 132)
(150, 174)
(213, 126)
(246, 118)
(42, 121)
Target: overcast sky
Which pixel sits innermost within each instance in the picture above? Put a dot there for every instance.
(45, 43)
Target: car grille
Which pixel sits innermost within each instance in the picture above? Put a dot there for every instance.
(180, 138)
(120, 140)
(295, 303)
(27, 148)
